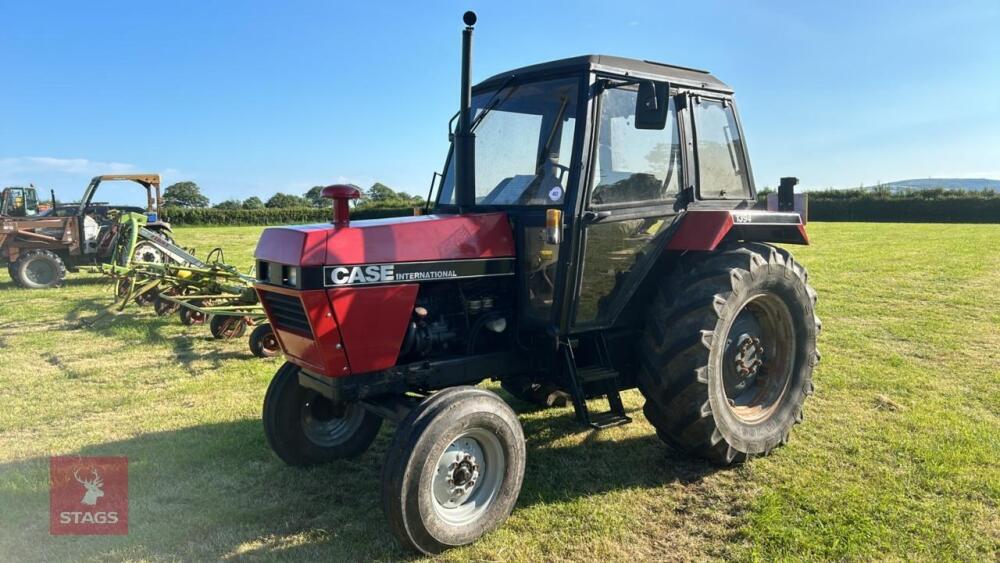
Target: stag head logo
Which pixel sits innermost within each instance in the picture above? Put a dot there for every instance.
(93, 486)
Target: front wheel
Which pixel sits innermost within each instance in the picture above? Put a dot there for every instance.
(728, 352)
(304, 428)
(454, 470)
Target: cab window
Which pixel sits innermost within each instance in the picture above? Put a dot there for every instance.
(634, 165)
(524, 144)
(722, 172)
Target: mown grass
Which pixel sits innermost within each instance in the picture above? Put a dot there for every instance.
(898, 458)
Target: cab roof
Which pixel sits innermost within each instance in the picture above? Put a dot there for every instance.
(682, 76)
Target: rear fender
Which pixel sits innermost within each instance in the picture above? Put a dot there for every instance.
(705, 230)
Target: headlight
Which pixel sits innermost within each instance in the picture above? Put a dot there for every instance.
(292, 278)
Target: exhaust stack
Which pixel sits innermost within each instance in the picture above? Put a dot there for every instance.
(465, 140)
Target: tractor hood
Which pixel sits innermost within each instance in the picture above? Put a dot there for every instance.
(347, 306)
(383, 241)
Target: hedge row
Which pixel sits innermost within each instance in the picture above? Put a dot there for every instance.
(271, 216)
(906, 210)
(862, 208)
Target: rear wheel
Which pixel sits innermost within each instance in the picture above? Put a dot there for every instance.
(728, 353)
(263, 342)
(225, 327)
(305, 428)
(454, 470)
(39, 269)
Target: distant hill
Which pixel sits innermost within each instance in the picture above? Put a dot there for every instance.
(975, 184)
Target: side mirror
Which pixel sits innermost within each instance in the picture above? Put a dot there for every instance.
(651, 105)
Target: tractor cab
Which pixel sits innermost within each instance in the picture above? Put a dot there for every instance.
(19, 202)
(593, 159)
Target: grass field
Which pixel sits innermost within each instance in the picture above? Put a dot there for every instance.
(898, 457)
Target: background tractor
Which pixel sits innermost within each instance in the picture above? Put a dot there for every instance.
(594, 231)
(39, 247)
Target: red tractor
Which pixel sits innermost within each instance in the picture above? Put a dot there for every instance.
(594, 231)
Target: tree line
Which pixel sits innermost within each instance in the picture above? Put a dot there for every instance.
(187, 195)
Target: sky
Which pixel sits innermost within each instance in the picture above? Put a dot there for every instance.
(250, 98)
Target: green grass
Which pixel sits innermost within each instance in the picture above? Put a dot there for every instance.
(898, 457)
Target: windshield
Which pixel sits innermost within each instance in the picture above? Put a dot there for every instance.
(524, 144)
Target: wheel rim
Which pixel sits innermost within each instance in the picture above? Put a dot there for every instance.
(269, 343)
(39, 272)
(325, 427)
(758, 359)
(146, 252)
(229, 327)
(468, 476)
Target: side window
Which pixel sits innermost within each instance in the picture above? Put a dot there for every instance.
(721, 168)
(634, 165)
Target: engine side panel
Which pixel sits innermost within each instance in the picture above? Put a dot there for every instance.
(373, 322)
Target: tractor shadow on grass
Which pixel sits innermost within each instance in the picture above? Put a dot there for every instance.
(222, 484)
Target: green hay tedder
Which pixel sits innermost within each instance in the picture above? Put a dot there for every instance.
(149, 269)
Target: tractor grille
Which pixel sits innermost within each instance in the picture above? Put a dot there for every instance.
(287, 312)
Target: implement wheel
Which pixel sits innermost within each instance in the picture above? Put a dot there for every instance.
(305, 428)
(728, 353)
(164, 307)
(38, 269)
(453, 471)
(263, 342)
(190, 317)
(225, 327)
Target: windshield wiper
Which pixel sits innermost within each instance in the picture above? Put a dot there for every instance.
(494, 102)
(556, 125)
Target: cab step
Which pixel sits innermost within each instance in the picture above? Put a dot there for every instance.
(598, 380)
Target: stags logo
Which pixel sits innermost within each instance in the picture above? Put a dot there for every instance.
(88, 495)
(93, 487)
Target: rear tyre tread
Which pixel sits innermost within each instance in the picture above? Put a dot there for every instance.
(674, 354)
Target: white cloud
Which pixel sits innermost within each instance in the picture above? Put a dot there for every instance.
(12, 166)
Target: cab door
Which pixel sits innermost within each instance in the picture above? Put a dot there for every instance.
(635, 192)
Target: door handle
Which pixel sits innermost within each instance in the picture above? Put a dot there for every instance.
(595, 216)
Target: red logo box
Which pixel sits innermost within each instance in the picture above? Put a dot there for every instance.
(88, 496)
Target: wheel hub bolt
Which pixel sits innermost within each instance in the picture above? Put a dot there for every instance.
(748, 356)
